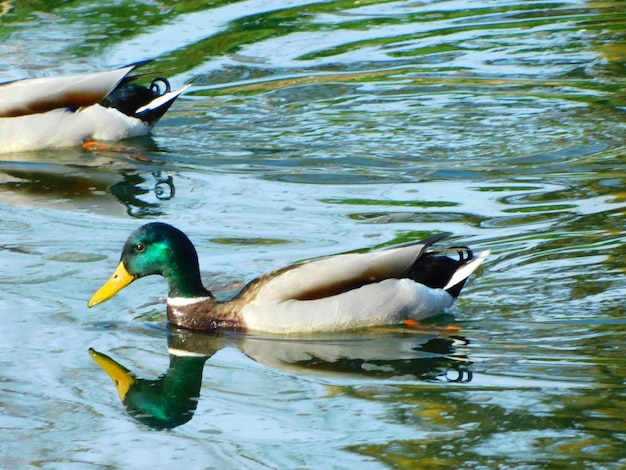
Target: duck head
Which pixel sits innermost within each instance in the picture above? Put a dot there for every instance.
(156, 248)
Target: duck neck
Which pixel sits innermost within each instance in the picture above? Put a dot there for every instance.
(186, 283)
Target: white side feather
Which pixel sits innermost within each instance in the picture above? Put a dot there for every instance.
(58, 128)
(386, 302)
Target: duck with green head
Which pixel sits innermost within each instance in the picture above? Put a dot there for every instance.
(346, 291)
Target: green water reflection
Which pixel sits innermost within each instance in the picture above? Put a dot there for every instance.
(166, 402)
(171, 399)
(314, 128)
(141, 192)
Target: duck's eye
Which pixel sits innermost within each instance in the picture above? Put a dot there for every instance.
(140, 247)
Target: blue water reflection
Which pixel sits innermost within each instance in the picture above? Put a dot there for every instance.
(171, 399)
(311, 129)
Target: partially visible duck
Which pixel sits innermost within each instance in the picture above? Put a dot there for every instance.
(340, 292)
(38, 113)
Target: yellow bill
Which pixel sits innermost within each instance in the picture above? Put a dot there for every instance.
(122, 377)
(120, 279)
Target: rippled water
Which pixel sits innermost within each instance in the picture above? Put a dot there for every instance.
(311, 129)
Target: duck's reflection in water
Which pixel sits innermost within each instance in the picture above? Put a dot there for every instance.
(166, 402)
(137, 192)
(142, 193)
(171, 399)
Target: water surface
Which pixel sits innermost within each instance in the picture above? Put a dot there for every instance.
(315, 128)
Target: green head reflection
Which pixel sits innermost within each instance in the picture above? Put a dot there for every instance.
(162, 403)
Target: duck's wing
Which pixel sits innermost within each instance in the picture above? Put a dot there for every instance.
(334, 275)
(38, 95)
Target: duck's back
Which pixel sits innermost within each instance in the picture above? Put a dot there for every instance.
(39, 95)
(333, 275)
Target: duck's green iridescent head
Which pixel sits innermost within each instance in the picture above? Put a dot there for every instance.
(156, 248)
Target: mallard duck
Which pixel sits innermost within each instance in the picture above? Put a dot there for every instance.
(37, 113)
(345, 291)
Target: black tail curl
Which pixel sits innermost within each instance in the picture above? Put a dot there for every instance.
(434, 269)
(156, 89)
(129, 98)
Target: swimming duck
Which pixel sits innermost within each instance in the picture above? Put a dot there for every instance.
(340, 292)
(37, 113)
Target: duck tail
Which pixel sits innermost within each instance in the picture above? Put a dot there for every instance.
(148, 103)
(151, 112)
(436, 270)
(131, 68)
(466, 267)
